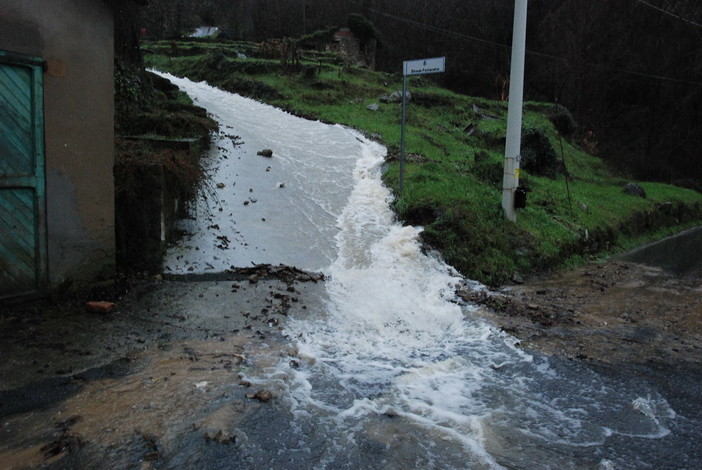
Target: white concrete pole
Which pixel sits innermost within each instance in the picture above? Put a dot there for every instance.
(514, 110)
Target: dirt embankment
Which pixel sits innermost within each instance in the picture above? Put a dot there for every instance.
(613, 312)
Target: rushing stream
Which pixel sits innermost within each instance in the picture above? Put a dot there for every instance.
(395, 373)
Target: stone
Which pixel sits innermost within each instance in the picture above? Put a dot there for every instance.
(373, 107)
(633, 189)
(538, 156)
(220, 437)
(562, 120)
(263, 396)
(265, 153)
(395, 97)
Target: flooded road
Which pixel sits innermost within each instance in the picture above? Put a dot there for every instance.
(394, 346)
(281, 209)
(381, 366)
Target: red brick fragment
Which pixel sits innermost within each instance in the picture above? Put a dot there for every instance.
(99, 306)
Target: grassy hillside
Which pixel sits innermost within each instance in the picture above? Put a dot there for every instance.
(576, 208)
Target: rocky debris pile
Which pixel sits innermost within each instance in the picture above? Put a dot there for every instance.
(65, 441)
(287, 274)
(611, 312)
(543, 315)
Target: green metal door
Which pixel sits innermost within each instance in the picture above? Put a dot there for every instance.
(23, 258)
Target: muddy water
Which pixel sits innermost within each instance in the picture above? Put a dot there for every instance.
(160, 379)
(392, 346)
(191, 389)
(384, 368)
(679, 254)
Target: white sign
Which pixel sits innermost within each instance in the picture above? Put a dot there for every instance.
(424, 66)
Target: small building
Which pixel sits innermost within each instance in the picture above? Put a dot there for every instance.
(56, 144)
(349, 47)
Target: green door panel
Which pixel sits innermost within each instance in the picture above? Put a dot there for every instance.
(23, 257)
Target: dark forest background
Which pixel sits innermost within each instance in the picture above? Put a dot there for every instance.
(630, 71)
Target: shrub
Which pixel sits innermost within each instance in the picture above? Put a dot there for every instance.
(538, 156)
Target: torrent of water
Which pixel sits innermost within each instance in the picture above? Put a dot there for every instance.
(254, 210)
(394, 373)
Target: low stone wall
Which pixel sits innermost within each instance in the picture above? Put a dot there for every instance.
(602, 239)
(152, 196)
(663, 214)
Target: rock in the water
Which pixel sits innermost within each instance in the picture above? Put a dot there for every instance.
(221, 437)
(263, 396)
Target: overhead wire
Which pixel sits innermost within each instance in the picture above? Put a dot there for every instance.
(468, 37)
(669, 13)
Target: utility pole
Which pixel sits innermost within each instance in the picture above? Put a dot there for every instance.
(510, 180)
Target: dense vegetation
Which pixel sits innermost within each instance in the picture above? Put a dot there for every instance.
(455, 144)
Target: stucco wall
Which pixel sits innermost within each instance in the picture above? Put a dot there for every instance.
(75, 38)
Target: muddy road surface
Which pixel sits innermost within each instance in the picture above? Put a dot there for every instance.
(161, 381)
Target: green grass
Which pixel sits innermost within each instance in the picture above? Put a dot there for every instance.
(453, 179)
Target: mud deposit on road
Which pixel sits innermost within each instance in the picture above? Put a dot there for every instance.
(172, 368)
(613, 312)
(173, 377)
(643, 307)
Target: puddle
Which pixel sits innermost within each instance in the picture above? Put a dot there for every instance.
(679, 254)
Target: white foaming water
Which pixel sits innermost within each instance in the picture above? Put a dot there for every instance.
(394, 374)
(394, 342)
(279, 210)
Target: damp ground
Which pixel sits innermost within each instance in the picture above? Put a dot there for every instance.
(642, 307)
(167, 369)
(174, 375)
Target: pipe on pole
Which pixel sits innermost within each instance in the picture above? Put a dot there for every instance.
(402, 132)
(514, 111)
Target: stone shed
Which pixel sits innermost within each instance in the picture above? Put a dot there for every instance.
(348, 45)
(56, 144)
